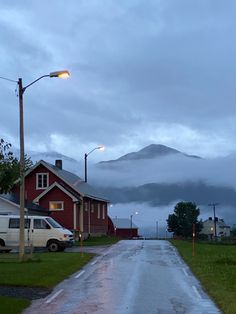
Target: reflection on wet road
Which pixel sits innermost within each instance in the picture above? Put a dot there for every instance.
(138, 277)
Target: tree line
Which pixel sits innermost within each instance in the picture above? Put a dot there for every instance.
(10, 167)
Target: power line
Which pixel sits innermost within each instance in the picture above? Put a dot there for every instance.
(7, 79)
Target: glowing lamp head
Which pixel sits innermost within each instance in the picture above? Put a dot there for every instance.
(61, 74)
(101, 147)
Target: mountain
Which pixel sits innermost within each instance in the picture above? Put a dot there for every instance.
(158, 175)
(150, 152)
(159, 194)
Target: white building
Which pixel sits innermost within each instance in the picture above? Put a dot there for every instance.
(222, 230)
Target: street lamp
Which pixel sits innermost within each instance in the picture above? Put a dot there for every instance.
(61, 74)
(100, 147)
(131, 223)
(157, 229)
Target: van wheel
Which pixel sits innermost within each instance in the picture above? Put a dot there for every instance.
(53, 246)
(2, 243)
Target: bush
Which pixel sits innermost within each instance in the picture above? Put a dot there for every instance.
(202, 237)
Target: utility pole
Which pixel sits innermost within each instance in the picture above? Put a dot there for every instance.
(22, 174)
(131, 225)
(213, 205)
(157, 229)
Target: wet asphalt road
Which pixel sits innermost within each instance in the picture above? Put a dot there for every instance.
(138, 277)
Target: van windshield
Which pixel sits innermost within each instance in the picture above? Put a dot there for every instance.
(53, 223)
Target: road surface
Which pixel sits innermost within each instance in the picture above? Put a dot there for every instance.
(133, 277)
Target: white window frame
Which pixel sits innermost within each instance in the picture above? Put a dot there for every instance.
(37, 180)
(99, 211)
(56, 209)
(103, 211)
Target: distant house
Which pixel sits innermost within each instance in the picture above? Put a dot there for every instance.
(10, 204)
(123, 228)
(222, 230)
(69, 200)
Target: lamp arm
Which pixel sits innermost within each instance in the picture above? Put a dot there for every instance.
(24, 88)
(92, 151)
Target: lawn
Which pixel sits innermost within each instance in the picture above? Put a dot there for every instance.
(44, 270)
(13, 305)
(102, 240)
(215, 266)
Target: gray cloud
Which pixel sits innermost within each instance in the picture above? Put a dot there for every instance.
(139, 70)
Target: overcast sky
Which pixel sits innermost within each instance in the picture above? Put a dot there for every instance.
(142, 72)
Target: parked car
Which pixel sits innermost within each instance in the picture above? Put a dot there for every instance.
(40, 231)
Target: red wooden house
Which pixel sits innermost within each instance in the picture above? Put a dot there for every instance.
(70, 200)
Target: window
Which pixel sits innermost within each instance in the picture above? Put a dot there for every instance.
(14, 223)
(41, 181)
(99, 214)
(53, 223)
(56, 205)
(86, 207)
(92, 208)
(103, 211)
(40, 224)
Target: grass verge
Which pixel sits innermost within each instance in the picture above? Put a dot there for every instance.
(44, 270)
(215, 267)
(13, 305)
(102, 240)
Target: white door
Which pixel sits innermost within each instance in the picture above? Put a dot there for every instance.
(40, 232)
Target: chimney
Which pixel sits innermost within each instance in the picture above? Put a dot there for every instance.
(210, 218)
(58, 163)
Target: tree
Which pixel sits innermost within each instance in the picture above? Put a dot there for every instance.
(182, 220)
(233, 232)
(9, 167)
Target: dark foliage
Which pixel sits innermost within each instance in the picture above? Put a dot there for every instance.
(9, 167)
(182, 220)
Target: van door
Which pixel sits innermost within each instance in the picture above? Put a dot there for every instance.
(40, 232)
(13, 233)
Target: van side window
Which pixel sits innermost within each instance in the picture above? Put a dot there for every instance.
(14, 223)
(40, 224)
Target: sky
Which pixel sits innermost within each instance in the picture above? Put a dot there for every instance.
(142, 72)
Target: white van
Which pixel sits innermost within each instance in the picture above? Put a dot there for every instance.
(40, 231)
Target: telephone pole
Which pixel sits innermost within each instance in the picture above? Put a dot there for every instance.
(213, 205)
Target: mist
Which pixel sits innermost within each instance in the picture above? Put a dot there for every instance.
(169, 169)
(151, 221)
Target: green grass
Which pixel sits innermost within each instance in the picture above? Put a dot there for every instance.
(13, 305)
(102, 240)
(215, 266)
(45, 270)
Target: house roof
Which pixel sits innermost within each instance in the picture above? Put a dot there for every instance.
(123, 223)
(220, 223)
(71, 179)
(59, 186)
(14, 200)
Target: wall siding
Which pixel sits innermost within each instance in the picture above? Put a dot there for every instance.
(65, 217)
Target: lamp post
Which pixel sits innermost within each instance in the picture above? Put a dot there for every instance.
(157, 229)
(131, 223)
(61, 74)
(100, 147)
